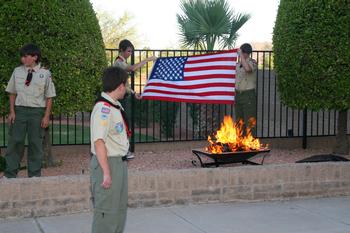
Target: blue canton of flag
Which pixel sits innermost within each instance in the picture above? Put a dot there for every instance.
(170, 69)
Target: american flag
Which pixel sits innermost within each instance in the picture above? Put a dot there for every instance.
(207, 78)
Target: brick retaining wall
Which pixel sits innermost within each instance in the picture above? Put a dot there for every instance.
(70, 194)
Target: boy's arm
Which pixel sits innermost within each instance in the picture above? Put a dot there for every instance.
(12, 114)
(46, 118)
(100, 123)
(101, 154)
(140, 64)
(11, 89)
(246, 65)
(50, 92)
(249, 65)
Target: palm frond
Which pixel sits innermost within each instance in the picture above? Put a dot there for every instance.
(206, 23)
(236, 23)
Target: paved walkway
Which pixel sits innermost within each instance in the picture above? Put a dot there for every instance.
(326, 215)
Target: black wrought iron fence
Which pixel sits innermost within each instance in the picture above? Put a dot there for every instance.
(156, 121)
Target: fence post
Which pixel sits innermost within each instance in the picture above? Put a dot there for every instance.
(304, 128)
(132, 75)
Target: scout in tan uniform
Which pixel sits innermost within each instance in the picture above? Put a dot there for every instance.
(109, 146)
(125, 50)
(31, 90)
(246, 86)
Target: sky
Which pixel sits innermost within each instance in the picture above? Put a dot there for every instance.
(155, 20)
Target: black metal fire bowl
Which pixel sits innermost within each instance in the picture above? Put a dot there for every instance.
(228, 157)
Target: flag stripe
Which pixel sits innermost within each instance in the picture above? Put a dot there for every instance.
(198, 101)
(191, 90)
(193, 97)
(208, 68)
(230, 59)
(205, 72)
(180, 84)
(211, 63)
(210, 76)
(222, 53)
(198, 59)
(208, 93)
(204, 85)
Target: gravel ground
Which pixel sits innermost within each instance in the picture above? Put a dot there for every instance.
(147, 161)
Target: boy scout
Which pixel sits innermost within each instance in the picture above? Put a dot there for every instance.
(245, 86)
(31, 90)
(109, 146)
(125, 50)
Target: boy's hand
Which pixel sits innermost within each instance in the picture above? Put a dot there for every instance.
(138, 96)
(107, 181)
(11, 118)
(45, 122)
(153, 58)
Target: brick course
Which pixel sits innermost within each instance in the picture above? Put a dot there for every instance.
(46, 196)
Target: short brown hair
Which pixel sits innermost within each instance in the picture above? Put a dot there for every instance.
(246, 48)
(124, 44)
(32, 50)
(112, 78)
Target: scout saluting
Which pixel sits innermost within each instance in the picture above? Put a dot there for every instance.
(246, 86)
(109, 146)
(31, 90)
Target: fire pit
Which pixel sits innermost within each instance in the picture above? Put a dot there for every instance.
(229, 145)
(228, 157)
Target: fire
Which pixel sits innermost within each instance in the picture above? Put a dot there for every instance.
(230, 137)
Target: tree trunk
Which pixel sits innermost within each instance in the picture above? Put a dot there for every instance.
(341, 146)
(48, 160)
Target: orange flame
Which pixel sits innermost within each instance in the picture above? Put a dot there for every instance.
(230, 137)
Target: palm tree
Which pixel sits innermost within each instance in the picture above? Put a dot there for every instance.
(207, 23)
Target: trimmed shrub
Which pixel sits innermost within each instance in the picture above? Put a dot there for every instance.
(72, 47)
(312, 53)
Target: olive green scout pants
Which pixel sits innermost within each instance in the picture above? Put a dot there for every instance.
(28, 120)
(110, 205)
(246, 106)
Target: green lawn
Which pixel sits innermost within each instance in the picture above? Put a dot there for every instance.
(67, 134)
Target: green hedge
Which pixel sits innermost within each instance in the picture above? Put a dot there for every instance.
(70, 39)
(312, 53)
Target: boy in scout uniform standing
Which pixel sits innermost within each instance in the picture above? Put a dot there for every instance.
(109, 146)
(246, 86)
(31, 91)
(125, 50)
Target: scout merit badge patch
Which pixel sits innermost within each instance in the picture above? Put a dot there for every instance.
(103, 121)
(119, 127)
(104, 117)
(105, 110)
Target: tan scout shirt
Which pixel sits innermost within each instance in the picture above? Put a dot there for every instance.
(121, 63)
(107, 124)
(244, 80)
(40, 88)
